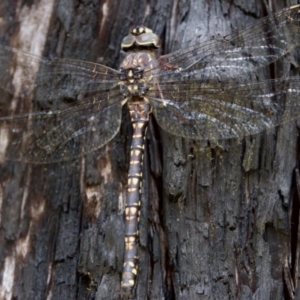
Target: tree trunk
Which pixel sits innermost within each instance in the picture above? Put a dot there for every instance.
(219, 222)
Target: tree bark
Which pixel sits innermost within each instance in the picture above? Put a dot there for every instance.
(220, 220)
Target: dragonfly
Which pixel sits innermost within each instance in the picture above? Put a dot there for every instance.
(205, 91)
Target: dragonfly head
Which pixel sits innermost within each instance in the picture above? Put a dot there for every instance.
(140, 37)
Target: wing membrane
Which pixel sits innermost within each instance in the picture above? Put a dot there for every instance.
(226, 111)
(53, 136)
(254, 47)
(52, 82)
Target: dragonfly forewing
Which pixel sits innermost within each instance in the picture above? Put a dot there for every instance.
(242, 52)
(53, 82)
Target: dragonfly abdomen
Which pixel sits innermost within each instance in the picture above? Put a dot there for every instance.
(139, 114)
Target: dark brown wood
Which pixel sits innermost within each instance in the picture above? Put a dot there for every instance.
(214, 225)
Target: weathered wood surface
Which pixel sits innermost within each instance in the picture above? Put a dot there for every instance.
(214, 225)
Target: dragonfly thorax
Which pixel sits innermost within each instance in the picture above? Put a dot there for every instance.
(136, 69)
(132, 82)
(135, 74)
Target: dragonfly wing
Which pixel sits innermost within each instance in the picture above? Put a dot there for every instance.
(53, 83)
(244, 51)
(227, 111)
(53, 136)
